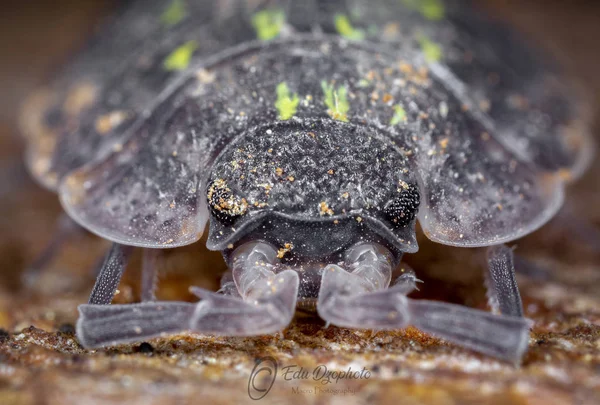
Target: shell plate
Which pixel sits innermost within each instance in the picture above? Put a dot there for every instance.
(337, 110)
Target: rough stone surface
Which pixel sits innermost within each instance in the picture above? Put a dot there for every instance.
(41, 362)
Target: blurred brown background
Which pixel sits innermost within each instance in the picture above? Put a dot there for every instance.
(36, 37)
(47, 366)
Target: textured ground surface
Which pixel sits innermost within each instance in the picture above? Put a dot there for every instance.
(42, 363)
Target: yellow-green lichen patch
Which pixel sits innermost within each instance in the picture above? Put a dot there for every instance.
(431, 9)
(174, 13)
(363, 83)
(336, 101)
(344, 28)
(180, 58)
(268, 23)
(286, 104)
(431, 50)
(399, 115)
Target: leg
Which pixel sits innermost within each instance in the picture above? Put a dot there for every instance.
(110, 274)
(265, 303)
(407, 281)
(503, 291)
(65, 228)
(149, 274)
(359, 299)
(228, 286)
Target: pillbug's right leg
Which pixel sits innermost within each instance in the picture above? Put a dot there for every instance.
(65, 229)
(228, 286)
(263, 302)
(149, 274)
(360, 299)
(110, 274)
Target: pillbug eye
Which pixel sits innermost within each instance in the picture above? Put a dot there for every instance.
(223, 204)
(403, 209)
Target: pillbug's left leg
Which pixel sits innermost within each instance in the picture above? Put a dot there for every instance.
(407, 281)
(503, 291)
(358, 299)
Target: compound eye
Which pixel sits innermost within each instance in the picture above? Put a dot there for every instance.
(223, 204)
(403, 209)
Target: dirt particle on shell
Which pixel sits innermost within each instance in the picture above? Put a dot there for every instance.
(287, 247)
(79, 98)
(324, 209)
(107, 122)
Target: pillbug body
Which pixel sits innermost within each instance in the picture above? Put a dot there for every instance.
(311, 135)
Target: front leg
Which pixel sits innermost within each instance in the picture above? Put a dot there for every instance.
(503, 291)
(359, 299)
(110, 274)
(265, 304)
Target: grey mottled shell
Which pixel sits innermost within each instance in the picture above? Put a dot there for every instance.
(435, 95)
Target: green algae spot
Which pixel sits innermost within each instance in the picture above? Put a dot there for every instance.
(363, 83)
(399, 115)
(174, 13)
(431, 50)
(344, 28)
(336, 101)
(430, 9)
(268, 23)
(286, 104)
(433, 10)
(180, 58)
